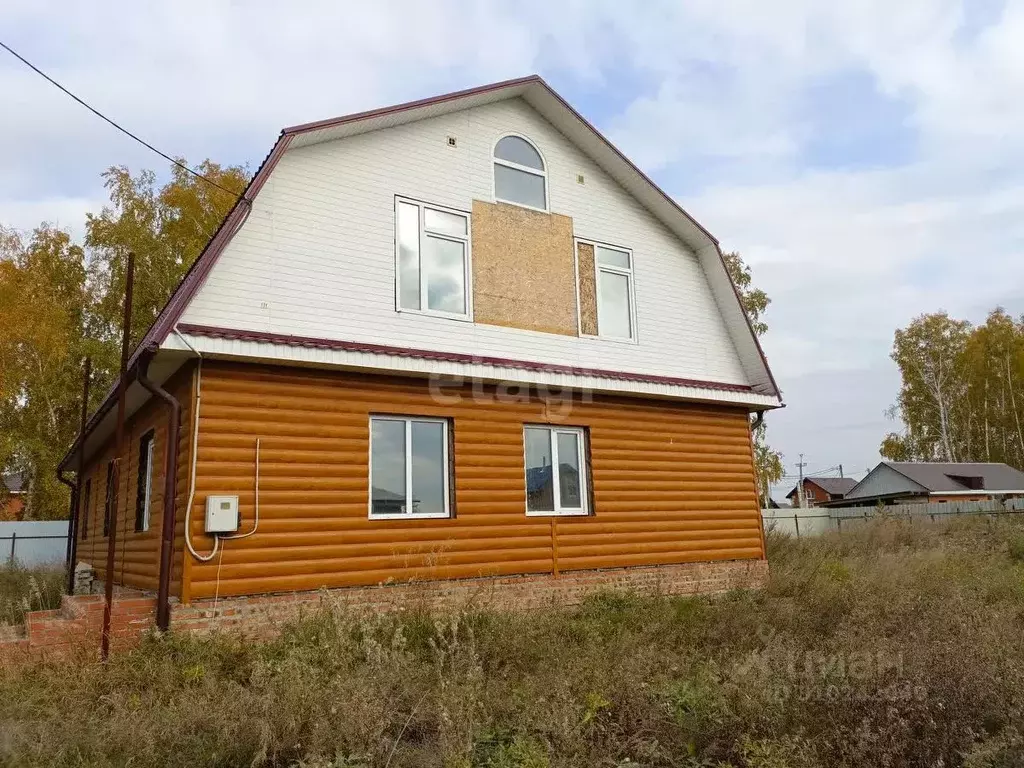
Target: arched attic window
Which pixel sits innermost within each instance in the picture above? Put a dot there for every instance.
(519, 173)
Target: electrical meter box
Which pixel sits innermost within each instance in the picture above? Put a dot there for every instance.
(221, 514)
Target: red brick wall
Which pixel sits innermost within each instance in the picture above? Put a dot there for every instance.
(261, 614)
(75, 627)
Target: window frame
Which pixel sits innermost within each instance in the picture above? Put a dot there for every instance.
(144, 494)
(495, 160)
(583, 457)
(421, 207)
(630, 275)
(447, 463)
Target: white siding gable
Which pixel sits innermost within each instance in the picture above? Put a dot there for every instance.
(316, 256)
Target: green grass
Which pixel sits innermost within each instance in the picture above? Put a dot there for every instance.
(896, 644)
(28, 589)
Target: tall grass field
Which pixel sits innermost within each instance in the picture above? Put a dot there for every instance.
(895, 644)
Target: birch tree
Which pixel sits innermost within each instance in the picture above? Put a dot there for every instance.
(60, 302)
(767, 462)
(930, 356)
(962, 392)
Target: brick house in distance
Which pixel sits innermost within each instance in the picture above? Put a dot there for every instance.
(461, 344)
(11, 508)
(819, 490)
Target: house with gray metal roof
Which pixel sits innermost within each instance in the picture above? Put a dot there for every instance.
(907, 482)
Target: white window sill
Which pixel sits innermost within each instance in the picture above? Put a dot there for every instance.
(429, 313)
(412, 516)
(522, 205)
(612, 339)
(573, 513)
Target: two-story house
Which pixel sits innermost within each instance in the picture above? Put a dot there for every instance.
(462, 338)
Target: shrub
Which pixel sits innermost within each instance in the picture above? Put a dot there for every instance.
(896, 643)
(28, 589)
(1016, 547)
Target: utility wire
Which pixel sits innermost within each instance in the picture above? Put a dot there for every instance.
(125, 131)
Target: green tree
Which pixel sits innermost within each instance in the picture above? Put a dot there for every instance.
(60, 302)
(994, 365)
(166, 227)
(755, 301)
(962, 390)
(767, 462)
(43, 308)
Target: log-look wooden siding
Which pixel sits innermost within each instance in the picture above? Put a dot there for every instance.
(137, 554)
(671, 483)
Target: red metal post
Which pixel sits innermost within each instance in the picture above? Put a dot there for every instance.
(122, 387)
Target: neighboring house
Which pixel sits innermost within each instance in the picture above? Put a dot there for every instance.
(11, 508)
(458, 338)
(906, 482)
(819, 490)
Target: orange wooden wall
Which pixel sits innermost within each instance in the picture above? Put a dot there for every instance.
(137, 555)
(672, 483)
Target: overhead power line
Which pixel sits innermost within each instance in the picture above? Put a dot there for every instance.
(103, 117)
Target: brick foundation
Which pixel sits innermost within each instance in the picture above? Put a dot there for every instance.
(260, 614)
(77, 623)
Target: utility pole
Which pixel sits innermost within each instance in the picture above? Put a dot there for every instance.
(122, 388)
(801, 501)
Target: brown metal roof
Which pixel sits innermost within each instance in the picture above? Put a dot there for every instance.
(453, 357)
(834, 486)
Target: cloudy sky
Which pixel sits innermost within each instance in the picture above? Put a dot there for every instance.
(866, 158)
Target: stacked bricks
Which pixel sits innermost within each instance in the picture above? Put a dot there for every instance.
(78, 624)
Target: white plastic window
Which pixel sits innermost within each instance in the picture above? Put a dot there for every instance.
(556, 482)
(519, 174)
(433, 251)
(409, 467)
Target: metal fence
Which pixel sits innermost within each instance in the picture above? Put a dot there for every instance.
(33, 543)
(815, 521)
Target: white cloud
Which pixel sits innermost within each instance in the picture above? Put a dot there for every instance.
(730, 104)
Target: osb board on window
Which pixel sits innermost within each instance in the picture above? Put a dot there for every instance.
(523, 275)
(588, 290)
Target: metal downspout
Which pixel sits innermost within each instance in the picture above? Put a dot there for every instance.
(163, 607)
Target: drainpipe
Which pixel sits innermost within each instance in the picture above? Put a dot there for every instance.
(757, 422)
(72, 525)
(163, 607)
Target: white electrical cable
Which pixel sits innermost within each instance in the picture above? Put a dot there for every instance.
(193, 457)
(256, 521)
(192, 474)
